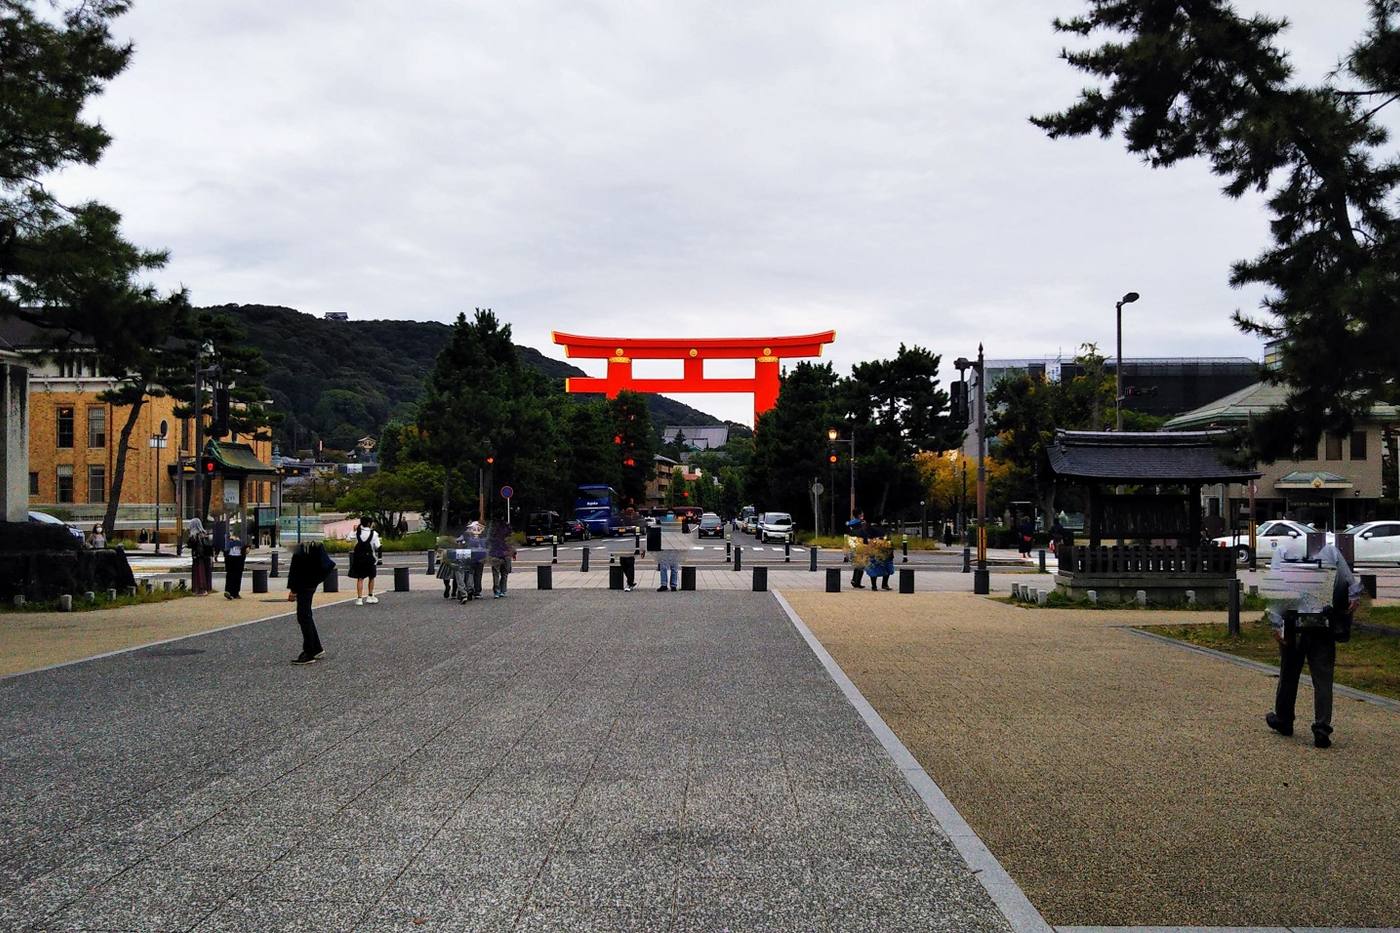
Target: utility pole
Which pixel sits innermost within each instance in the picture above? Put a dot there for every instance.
(981, 580)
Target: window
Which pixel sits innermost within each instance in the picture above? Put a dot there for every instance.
(1334, 447)
(97, 483)
(97, 426)
(33, 483)
(65, 427)
(1358, 445)
(65, 484)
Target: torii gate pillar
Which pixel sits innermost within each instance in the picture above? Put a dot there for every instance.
(621, 351)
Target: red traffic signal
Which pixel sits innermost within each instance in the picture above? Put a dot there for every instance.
(206, 465)
(685, 493)
(629, 462)
(490, 460)
(830, 458)
(617, 438)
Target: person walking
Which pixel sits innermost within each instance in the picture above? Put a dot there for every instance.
(233, 565)
(468, 572)
(364, 560)
(309, 568)
(97, 539)
(201, 558)
(500, 553)
(857, 532)
(1310, 633)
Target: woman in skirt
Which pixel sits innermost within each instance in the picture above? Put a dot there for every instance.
(363, 558)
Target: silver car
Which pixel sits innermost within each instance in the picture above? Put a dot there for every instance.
(775, 526)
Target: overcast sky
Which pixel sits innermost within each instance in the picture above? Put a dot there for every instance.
(638, 169)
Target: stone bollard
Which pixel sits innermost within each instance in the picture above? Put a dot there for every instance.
(738, 559)
(1093, 597)
(401, 583)
(259, 581)
(167, 586)
(111, 596)
(1016, 592)
(332, 581)
(687, 578)
(544, 577)
(833, 579)
(276, 555)
(89, 597)
(812, 558)
(19, 600)
(1042, 597)
(182, 585)
(1141, 599)
(614, 577)
(760, 579)
(583, 567)
(906, 580)
(432, 563)
(65, 603)
(1191, 598)
(131, 591)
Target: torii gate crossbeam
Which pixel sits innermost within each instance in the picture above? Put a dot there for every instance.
(621, 351)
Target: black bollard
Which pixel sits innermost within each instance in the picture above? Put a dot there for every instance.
(1042, 560)
(1368, 584)
(554, 553)
(906, 579)
(332, 581)
(544, 577)
(614, 577)
(432, 563)
(275, 571)
(787, 552)
(400, 579)
(904, 546)
(760, 579)
(259, 581)
(583, 568)
(636, 543)
(812, 558)
(833, 579)
(967, 560)
(728, 552)
(687, 578)
(738, 558)
(1233, 620)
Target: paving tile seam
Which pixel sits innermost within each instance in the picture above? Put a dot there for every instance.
(1251, 664)
(364, 727)
(504, 756)
(1008, 897)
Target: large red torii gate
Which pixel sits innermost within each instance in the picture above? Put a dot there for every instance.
(621, 351)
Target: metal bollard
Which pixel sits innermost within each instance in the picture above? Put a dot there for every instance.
(432, 563)
(332, 581)
(259, 581)
(1368, 584)
(554, 552)
(544, 577)
(400, 579)
(787, 552)
(728, 551)
(833, 579)
(687, 578)
(636, 543)
(738, 558)
(967, 560)
(1233, 622)
(614, 577)
(906, 580)
(904, 546)
(760, 579)
(812, 558)
(1042, 560)
(583, 567)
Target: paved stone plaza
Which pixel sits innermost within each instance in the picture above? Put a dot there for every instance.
(553, 761)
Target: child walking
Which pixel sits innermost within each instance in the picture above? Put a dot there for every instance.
(363, 560)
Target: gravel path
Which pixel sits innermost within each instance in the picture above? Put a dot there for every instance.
(1126, 782)
(553, 761)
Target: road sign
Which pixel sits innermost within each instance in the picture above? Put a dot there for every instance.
(507, 492)
(818, 489)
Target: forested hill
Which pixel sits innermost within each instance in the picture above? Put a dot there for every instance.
(341, 380)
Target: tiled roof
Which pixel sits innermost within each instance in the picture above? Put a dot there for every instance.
(1143, 457)
(1238, 407)
(238, 458)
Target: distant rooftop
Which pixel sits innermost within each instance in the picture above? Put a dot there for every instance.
(699, 436)
(337, 315)
(1239, 407)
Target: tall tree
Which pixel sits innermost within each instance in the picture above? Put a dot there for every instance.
(636, 445)
(67, 268)
(1193, 78)
(789, 448)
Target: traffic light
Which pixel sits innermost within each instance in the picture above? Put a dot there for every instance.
(629, 462)
(617, 438)
(490, 460)
(831, 455)
(207, 466)
(957, 401)
(220, 426)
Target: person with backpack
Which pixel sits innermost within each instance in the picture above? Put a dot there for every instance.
(1310, 633)
(309, 568)
(364, 558)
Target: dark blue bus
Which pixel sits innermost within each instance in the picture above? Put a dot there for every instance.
(596, 507)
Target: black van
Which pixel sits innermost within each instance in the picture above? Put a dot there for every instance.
(544, 528)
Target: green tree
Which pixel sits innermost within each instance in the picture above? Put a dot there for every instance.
(636, 445)
(789, 448)
(237, 367)
(1194, 79)
(385, 496)
(67, 268)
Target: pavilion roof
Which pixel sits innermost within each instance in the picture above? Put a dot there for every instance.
(1144, 457)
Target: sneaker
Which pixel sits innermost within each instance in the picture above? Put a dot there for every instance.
(318, 655)
(304, 658)
(228, 595)
(626, 588)
(673, 589)
(1321, 739)
(1278, 725)
(495, 595)
(661, 589)
(371, 598)
(359, 600)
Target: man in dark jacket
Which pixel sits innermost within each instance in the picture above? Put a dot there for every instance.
(859, 529)
(310, 565)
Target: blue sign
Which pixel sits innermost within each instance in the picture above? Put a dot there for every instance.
(507, 492)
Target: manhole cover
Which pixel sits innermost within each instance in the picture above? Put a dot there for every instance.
(170, 652)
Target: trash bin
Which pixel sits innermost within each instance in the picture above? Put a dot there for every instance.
(653, 539)
(400, 579)
(906, 580)
(760, 579)
(614, 577)
(259, 581)
(544, 577)
(833, 579)
(687, 578)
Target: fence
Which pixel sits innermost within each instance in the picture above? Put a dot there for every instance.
(1147, 559)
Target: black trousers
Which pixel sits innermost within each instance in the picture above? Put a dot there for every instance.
(629, 568)
(310, 640)
(1318, 647)
(233, 575)
(856, 575)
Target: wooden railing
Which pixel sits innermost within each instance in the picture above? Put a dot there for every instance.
(1146, 559)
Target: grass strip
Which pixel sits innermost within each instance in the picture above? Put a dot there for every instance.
(100, 602)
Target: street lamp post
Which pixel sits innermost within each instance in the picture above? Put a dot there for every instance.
(157, 442)
(981, 578)
(835, 437)
(1118, 373)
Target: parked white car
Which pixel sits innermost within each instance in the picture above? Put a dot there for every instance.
(775, 526)
(1282, 533)
(1376, 541)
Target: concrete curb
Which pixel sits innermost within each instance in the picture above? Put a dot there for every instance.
(165, 641)
(1006, 894)
(1227, 930)
(1338, 689)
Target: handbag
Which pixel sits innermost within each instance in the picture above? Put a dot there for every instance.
(327, 564)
